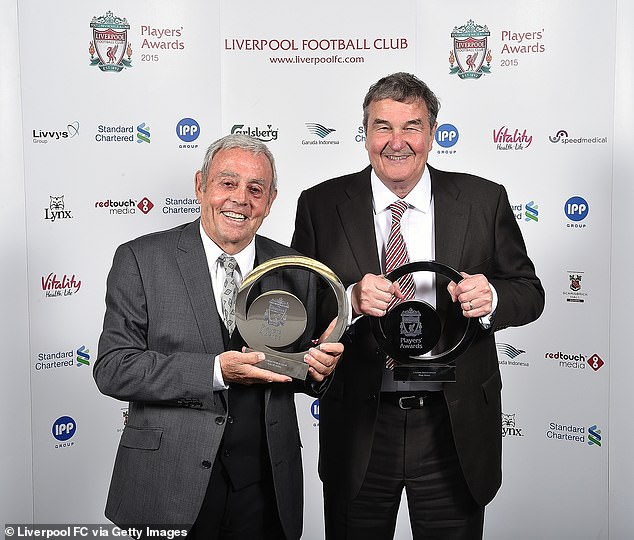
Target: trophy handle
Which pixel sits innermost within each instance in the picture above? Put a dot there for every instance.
(445, 357)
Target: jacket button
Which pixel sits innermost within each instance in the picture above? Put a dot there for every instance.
(220, 420)
(226, 453)
(206, 464)
(229, 419)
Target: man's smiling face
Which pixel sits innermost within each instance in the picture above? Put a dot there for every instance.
(398, 140)
(237, 197)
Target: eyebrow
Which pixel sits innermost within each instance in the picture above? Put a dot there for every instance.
(413, 122)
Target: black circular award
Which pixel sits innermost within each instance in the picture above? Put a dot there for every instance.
(276, 319)
(412, 328)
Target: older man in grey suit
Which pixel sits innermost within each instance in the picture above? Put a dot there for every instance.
(212, 443)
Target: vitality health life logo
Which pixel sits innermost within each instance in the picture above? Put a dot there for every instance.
(110, 42)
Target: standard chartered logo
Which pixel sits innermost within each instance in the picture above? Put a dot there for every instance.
(594, 435)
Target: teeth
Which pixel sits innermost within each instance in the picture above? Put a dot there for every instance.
(234, 215)
(397, 158)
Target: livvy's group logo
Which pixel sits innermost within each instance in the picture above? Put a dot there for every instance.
(44, 135)
(110, 43)
(470, 51)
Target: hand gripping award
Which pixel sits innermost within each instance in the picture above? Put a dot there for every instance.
(413, 328)
(274, 321)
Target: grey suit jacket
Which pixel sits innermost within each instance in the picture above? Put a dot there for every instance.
(475, 232)
(161, 333)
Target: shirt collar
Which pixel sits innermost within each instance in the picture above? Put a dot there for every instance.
(419, 197)
(244, 258)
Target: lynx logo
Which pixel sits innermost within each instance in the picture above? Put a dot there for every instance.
(447, 135)
(508, 426)
(187, 131)
(56, 209)
(110, 42)
(64, 428)
(314, 409)
(470, 51)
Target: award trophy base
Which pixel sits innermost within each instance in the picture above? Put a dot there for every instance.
(431, 372)
(297, 369)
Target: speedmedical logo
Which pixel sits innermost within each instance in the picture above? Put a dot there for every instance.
(562, 137)
(446, 137)
(64, 429)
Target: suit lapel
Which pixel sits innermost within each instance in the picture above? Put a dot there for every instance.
(194, 269)
(451, 217)
(356, 215)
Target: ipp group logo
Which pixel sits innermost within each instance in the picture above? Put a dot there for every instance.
(43, 136)
(470, 51)
(314, 411)
(64, 429)
(110, 43)
(187, 130)
(576, 210)
(446, 137)
(321, 135)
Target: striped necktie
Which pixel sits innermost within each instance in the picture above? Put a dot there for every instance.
(396, 252)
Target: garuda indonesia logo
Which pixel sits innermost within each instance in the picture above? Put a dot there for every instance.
(410, 323)
(110, 42)
(470, 51)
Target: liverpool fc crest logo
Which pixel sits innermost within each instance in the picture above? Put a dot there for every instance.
(110, 42)
(470, 51)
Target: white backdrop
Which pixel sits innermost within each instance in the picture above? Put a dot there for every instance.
(538, 115)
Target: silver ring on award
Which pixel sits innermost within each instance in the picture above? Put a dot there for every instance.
(277, 318)
(412, 328)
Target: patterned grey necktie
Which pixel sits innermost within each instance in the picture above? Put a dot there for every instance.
(229, 291)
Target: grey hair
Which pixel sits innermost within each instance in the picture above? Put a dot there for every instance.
(404, 88)
(237, 140)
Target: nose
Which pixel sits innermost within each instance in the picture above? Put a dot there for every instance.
(397, 141)
(240, 194)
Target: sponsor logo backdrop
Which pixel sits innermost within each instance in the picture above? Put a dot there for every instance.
(119, 108)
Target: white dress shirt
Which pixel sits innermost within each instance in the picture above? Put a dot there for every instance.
(246, 261)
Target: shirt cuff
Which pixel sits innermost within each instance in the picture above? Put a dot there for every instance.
(487, 320)
(219, 382)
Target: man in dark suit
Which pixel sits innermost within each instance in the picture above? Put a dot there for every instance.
(211, 443)
(441, 441)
